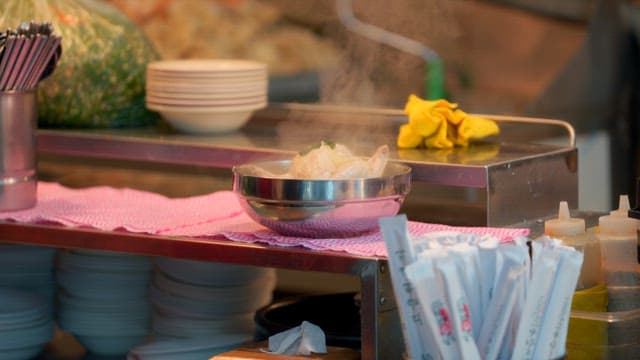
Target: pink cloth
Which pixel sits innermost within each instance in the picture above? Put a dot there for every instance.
(207, 216)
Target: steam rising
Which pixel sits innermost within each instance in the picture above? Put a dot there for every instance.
(377, 75)
(371, 74)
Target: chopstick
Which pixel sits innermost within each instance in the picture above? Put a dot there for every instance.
(27, 55)
(31, 59)
(51, 49)
(8, 59)
(24, 47)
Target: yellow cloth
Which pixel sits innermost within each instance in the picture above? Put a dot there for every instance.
(440, 124)
(474, 154)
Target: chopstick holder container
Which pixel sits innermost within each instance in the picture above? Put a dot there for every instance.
(18, 175)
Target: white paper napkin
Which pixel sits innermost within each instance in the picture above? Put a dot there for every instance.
(304, 339)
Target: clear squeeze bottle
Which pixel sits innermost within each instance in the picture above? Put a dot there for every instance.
(591, 295)
(619, 244)
(572, 232)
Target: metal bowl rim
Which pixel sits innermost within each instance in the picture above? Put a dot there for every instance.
(404, 170)
(297, 191)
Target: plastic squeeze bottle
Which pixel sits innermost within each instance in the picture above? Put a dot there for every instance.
(618, 237)
(619, 244)
(572, 232)
(591, 294)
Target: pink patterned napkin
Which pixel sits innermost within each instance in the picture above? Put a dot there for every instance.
(371, 244)
(110, 209)
(216, 215)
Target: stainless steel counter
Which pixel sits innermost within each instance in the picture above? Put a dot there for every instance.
(517, 176)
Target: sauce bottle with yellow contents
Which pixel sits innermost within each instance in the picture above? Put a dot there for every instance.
(619, 243)
(572, 232)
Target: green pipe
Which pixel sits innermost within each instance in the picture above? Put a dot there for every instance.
(434, 80)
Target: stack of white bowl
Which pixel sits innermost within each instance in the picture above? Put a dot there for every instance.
(206, 96)
(26, 324)
(29, 268)
(187, 349)
(103, 299)
(208, 301)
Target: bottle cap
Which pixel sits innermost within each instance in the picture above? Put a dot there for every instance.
(618, 223)
(623, 207)
(564, 225)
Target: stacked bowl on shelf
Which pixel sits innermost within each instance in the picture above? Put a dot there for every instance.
(29, 268)
(204, 307)
(26, 324)
(187, 349)
(206, 96)
(103, 299)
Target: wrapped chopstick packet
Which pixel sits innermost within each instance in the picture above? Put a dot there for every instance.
(467, 264)
(419, 340)
(553, 333)
(459, 305)
(423, 278)
(464, 295)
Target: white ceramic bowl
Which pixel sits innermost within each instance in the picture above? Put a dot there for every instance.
(100, 305)
(264, 283)
(212, 102)
(187, 349)
(214, 308)
(206, 120)
(211, 273)
(18, 307)
(206, 96)
(95, 324)
(26, 254)
(31, 335)
(110, 345)
(200, 67)
(26, 324)
(208, 93)
(184, 327)
(28, 352)
(93, 280)
(103, 262)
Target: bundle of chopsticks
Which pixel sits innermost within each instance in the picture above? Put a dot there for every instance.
(28, 55)
(465, 295)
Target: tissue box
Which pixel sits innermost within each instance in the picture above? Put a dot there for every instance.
(254, 352)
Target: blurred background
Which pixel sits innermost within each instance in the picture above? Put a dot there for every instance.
(574, 60)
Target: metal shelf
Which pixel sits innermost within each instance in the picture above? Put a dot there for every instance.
(378, 309)
(190, 248)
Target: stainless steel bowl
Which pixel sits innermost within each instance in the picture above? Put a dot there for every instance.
(319, 208)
